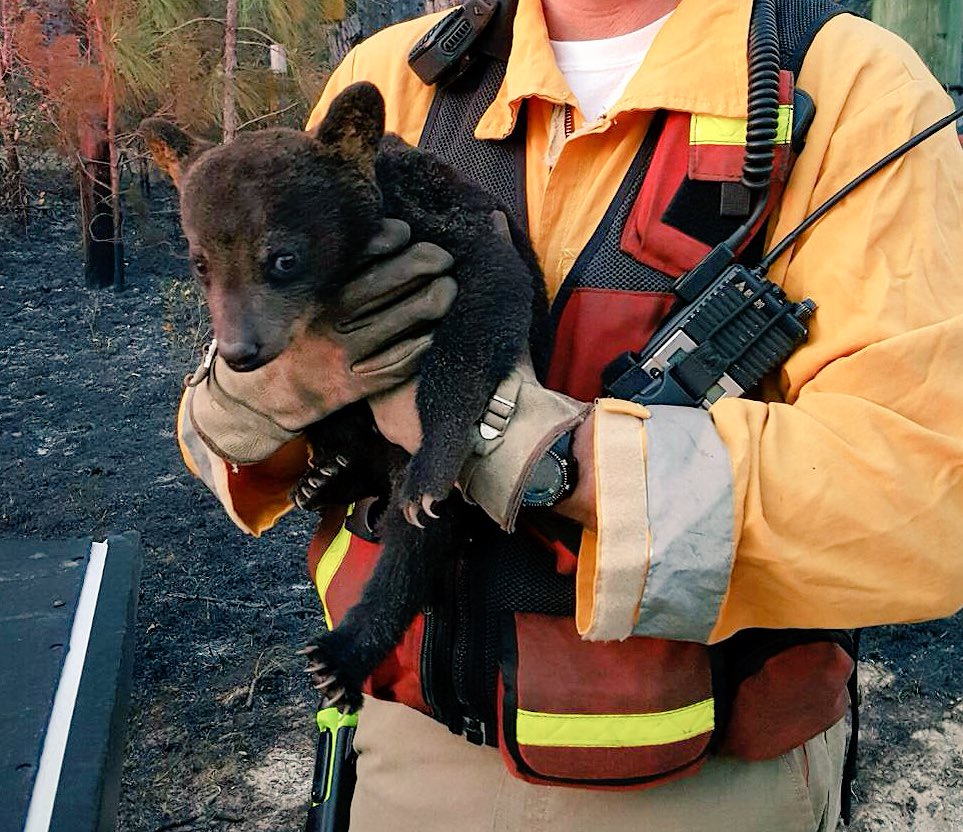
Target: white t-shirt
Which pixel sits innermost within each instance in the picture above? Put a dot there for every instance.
(598, 71)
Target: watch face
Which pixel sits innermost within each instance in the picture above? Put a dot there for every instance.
(547, 479)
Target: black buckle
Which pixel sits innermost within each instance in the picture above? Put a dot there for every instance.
(363, 521)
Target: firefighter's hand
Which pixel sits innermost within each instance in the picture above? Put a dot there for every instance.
(246, 417)
(396, 415)
(522, 422)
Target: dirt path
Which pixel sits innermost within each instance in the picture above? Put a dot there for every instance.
(220, 733)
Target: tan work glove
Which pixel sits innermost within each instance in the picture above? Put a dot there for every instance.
(246, 417)
(521, 423)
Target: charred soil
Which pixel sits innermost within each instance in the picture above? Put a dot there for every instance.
(220, 733)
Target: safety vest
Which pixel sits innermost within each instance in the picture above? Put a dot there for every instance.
(495, 655)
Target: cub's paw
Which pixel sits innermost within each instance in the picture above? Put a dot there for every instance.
(421, 493)
(428, 480)
(327, 667)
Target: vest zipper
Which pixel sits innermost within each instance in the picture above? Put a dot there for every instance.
(427, 670)
(436, 652)
(463, 663)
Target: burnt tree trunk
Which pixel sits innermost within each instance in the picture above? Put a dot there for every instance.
(96, 210)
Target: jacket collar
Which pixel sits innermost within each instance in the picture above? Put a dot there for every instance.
(697, 64)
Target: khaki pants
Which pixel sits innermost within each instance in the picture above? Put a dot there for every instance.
(415, 776)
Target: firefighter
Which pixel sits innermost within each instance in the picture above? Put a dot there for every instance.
(830, 501)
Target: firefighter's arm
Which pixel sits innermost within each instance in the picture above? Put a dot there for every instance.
(840, 503)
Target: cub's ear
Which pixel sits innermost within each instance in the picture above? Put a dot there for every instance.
(354, 125)
(173, 149)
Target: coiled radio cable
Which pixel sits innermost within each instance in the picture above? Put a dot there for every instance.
(762, 122)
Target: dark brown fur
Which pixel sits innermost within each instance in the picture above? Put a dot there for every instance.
(321, 198)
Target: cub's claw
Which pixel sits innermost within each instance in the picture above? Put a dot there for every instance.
(414, 508)
(330, 702)
(411, 514)
(319, 679)
(427, 505)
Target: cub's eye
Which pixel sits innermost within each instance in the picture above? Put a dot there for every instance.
(199, 264)
(283, 264)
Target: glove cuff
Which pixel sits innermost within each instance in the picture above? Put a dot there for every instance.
(521, 423)
(232, 429)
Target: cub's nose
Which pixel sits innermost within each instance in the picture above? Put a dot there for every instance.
(241, 356)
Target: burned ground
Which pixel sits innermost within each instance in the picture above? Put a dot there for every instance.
(220, 731)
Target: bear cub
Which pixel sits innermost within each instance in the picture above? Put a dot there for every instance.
(277, 222)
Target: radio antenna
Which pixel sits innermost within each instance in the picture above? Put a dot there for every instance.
(816, 215)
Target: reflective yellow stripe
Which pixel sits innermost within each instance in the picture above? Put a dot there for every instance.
(614, 730)
(329, 564)
(705, 129)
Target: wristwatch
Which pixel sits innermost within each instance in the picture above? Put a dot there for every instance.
(554, 475)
